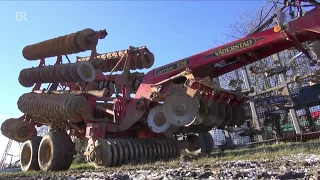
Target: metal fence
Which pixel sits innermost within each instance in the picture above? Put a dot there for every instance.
(280, 106)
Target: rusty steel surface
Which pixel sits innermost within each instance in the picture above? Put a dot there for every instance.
(17, 130)
(139, 57)
(51, 106)
(80, 41)
(116, 152)
(72, 72)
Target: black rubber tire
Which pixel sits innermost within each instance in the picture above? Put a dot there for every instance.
(29, 154)
(55, 152)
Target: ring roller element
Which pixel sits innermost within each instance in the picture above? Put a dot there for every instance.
(69, 44)
(72, 72)
(52, 106)
(142, 60)
(17, 129)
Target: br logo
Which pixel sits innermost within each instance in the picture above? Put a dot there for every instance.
(21, 16)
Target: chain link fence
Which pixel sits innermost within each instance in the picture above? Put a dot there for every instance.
(276, 109)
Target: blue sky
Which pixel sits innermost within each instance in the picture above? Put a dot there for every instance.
(170, 29)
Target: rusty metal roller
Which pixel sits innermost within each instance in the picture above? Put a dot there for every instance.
(69, 44)
(74, 72)
(117, 152)
(17, 129)
(52, 106)
(142, 59)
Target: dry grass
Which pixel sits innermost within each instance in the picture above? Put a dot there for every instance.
(259, 153)
(262, 152)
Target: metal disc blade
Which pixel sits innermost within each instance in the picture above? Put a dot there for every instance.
(242, 116)
(156, 120)
(228, 116)
(202, 113)
(235, 117)
(221, 114)
(172, 128)
(198, 120)
(181, 109)
(213, 114)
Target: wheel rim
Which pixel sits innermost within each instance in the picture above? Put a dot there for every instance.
(26, 155)
(45, 153)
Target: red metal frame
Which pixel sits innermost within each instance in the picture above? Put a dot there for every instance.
(304, 29)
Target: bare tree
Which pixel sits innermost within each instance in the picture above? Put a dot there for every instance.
(246, 22)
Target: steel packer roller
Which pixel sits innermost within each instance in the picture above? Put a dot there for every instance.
(72, 72)
(139, 57)
(115, 152)
(80, 41)
(17, 129)
(51, 106)
(125, 128)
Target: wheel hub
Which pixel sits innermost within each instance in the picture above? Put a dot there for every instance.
(180, 109)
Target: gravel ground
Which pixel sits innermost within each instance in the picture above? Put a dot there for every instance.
(299, 166)
(9, 170)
